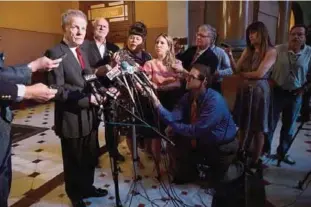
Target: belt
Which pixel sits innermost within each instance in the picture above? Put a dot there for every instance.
(291, 92)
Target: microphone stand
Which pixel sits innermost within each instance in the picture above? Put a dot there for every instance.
(134, 146)
(111, 142)
(108, 115)
(111, 133)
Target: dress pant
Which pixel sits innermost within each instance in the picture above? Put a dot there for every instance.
(79, 161)
(289, 105)
(5, 162)
(184, 159)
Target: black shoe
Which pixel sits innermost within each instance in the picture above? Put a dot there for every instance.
(78, 203)
(96, 192)
(288, 160)
(120, 157)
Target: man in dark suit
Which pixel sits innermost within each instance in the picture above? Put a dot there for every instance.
(76, 121)
(100, 53)
(201, 53)
(12, 88)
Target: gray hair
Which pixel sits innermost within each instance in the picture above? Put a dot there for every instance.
(71, 13)
(94, 23)
(211, 29)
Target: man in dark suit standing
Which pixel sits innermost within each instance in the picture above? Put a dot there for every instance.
(12, 88)
(76, 121)
(202, 52)
(100, 53)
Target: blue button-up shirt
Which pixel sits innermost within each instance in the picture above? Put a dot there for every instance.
(214, 123)
(224, 65)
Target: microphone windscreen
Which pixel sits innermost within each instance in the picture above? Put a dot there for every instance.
(89, 77)
(124, 65)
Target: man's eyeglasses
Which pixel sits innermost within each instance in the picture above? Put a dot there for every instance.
(190, 77)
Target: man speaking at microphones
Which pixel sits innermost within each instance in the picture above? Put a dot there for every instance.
(76, 121)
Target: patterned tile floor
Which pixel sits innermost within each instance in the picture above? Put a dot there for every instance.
(37, 163)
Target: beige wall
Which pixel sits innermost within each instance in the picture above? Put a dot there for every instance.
(29, 28)
(177, 18)
(154, 15)
(34, 16)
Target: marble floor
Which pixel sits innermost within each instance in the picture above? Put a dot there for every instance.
(38, 172)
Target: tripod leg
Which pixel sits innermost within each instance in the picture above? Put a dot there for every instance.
(302, 182)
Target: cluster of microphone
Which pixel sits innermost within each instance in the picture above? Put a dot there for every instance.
(127, 74)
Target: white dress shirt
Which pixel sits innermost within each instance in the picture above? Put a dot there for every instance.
(101, 47)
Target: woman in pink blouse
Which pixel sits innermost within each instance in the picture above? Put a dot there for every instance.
(162, 71)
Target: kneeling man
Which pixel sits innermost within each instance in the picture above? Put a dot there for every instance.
(202, 128)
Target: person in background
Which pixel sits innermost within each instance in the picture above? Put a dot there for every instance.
(291, 76)
(100, 52)
(135, 52)
(178, 49)
(251, 110)
(202, 52)
(224, 67)
(167, 83)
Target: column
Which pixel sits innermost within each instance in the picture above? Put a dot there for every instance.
(284, 22)
(230, 18)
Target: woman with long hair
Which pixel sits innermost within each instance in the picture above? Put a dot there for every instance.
(251, 109)
(167, 83)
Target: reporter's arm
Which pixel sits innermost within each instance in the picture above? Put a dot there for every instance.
(207, 118)
(169, 86)
(176, 114)
(8, 91)
(19, 74)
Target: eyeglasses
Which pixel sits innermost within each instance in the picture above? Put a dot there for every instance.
(190, 77)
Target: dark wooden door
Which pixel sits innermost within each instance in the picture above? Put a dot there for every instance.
(120, 16)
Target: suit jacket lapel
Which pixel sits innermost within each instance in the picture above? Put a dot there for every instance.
(70, 56)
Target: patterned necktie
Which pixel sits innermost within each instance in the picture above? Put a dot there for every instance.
(195, 57)
(80, 58)
(194, 116)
